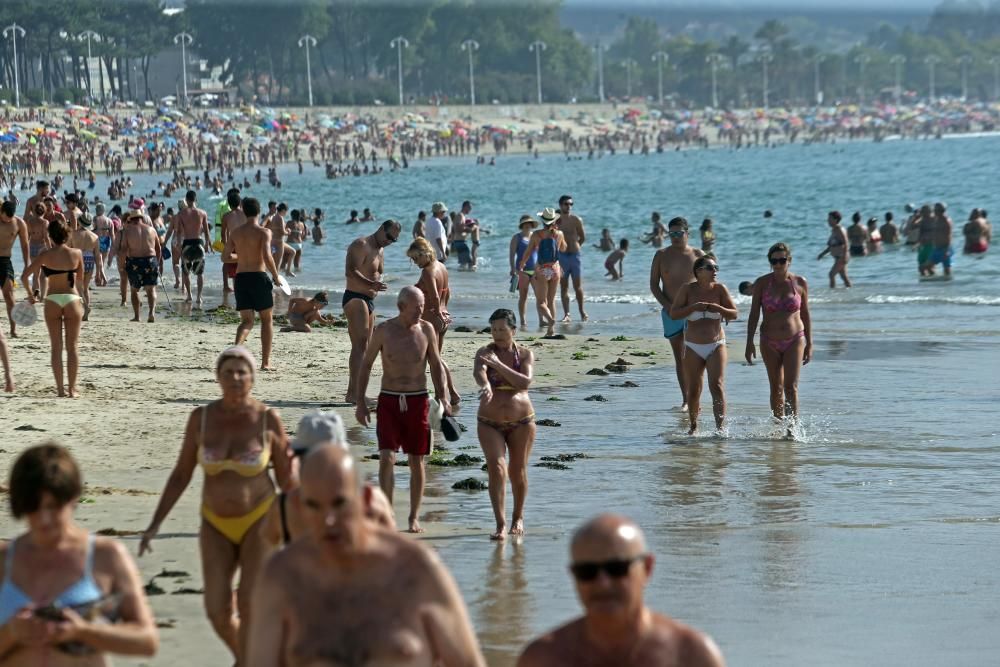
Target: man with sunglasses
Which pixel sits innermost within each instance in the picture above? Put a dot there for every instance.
(611, 566)
(672, 268)
(571, 227)
(365, 262)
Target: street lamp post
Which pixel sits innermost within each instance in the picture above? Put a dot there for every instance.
(995, 61)
(471, 45)
(538, 46)
(184, 39)
(13, 30)
(898, 61)
(714, 59)
(660, 57)
(307, 41)
(817, 90)
(399, 43)
(931, 61)
(88, 35)
(600, 69)
(628, 63)
(765, 58)
(965, 60)
(862, 61)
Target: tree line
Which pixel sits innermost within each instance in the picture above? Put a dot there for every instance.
(258, 48)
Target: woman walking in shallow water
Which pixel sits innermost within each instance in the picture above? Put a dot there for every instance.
(704, 303)
(506, 418)
(836, 246)
(786, 333)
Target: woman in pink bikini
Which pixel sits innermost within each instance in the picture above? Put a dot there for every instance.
(704, 303)
(786, 332)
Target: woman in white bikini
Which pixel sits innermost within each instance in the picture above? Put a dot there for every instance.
(63, 268)
(705, 303)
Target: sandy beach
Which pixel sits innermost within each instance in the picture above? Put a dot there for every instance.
(139, 383)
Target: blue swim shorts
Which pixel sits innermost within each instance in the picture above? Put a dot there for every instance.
(941, 256)
(571, 265)
(671, 328)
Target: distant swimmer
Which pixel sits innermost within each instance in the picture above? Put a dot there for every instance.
(857, 236)
(348, 592)
(708, 237)
(408, 347)
(786, 332)
(611, 565)
(570, 261)
(836, 247)
(889, 231)
(671, 269)
(977, 232)
(616, 257)
(874, 242)
(656, 235)
(705, 303)
(606, 244)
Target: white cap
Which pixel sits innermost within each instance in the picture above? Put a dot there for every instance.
(319, 428)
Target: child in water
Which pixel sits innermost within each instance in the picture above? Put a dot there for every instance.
(607, 243)
(617, 257)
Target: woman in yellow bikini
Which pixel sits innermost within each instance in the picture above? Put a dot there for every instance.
(63, 267)
(233, 440)
(506, 417)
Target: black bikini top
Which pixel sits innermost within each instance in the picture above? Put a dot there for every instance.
(70, 274)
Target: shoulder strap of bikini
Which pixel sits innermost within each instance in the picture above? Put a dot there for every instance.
(89, 566)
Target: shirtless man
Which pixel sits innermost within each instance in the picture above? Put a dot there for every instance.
(192, 226)
(72, 212)
(889, 231)
(142, 256)
(303, 312)
(12, 228)
(88, 243)
(364, 280)
(249, 246)
(656, 235)
(464, 230)
(925, 240)
(571, 227)
(38, 241)
(42, 190)
(230, 221)
(408, 345)
(279, 230)
(977, 233)
(350, 593)
(105, 232)
(611, 565)
(673, 267)
(942, 228)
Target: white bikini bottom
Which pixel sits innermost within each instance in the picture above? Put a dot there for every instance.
(704, 350)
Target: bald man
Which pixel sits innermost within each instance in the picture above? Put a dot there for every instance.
(408, 345)
(350, 593)
(611, 566)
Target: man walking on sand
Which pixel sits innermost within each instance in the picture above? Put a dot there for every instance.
(673, 267)
(250, 247)
(364, 280)
(231, 220)
(12, 228)
(571, 227)
(348, 592)
(142, 256)
(408, 346)
(195, 242)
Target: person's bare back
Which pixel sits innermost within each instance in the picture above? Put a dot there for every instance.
(193, 223)
(139, 240)
(250, 244)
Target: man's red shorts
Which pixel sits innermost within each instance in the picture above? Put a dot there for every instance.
(408, 430)
(231, 269)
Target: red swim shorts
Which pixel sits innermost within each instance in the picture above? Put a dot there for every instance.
(231, 269)
(406, 429)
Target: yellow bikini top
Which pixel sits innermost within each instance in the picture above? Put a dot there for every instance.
(250, 464)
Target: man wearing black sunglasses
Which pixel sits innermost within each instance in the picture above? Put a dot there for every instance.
(611, 566)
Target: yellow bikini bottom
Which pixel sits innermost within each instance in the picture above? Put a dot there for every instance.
(235, 528)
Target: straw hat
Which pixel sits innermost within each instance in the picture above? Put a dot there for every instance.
(548, 215)
(527, 220)
(438, 207)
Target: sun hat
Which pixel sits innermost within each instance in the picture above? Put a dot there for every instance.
(527, 220)
(548, 215)
(318, 427)
(137, 203)
(439, 207)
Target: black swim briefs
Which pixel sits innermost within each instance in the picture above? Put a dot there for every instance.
(6, 271)
(193, 256)
(253, 291)
(142, 271)
(349, 296)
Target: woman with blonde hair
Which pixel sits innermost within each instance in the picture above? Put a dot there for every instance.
(433, 282)
(234, 440)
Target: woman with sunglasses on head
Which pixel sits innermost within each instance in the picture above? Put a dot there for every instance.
(786, 332)
(704, 303)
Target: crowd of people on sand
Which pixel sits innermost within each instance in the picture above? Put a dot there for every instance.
(275, 510)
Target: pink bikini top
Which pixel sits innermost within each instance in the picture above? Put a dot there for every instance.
(773, 304)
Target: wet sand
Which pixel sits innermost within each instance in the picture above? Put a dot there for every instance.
(140, 381)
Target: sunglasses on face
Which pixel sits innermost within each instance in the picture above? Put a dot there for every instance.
(714, 268)
(778, 260)
(677, 235)
(615, 569)
(391, 239)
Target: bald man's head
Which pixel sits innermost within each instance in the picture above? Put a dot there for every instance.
(611, 565)
(331, 500)
(409, 294)
(329, 466)
(411, 305)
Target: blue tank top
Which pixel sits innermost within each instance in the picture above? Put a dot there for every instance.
(82, 593)
(547, 251)
(522, 245)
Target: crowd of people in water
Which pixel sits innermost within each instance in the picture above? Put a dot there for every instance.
(309, 539)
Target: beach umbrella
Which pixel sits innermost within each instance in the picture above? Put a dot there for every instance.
(360, 127)
(209, 137)
(87, 134)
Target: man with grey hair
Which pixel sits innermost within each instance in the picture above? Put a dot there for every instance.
(408, 345)
(351, 593)
(611, 566)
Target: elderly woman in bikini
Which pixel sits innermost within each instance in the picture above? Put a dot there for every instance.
(705, 303)
(503, 371)
(433, 282)
(234, 440)
(786, 333)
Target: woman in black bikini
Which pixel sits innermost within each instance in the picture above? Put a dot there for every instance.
(836, 246)
(786, 334)
(506, 417)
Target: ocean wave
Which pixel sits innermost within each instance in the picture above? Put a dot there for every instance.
(972, 300)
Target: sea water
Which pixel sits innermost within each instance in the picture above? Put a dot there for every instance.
(871, 539)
